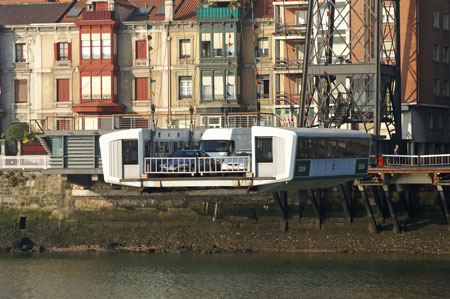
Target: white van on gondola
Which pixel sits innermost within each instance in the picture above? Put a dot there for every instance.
(220, 142)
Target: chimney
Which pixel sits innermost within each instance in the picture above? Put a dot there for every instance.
(168, 5)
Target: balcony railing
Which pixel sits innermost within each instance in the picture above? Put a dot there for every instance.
(132, 121)
(218, 13)
(98, 15)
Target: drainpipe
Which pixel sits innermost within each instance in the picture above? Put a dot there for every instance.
(168, 19)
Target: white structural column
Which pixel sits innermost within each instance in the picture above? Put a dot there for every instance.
(36, 96)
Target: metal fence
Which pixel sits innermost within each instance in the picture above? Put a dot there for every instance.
(416, 160)
(401, 160)
(435, 160)
(24, 162)
(201, 165)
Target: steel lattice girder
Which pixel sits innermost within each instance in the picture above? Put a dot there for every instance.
(343, 70)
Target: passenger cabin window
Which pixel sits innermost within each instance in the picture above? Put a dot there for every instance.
(264, 153)
(130, 152)
(332, 148)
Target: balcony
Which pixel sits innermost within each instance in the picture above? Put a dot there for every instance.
(283, 66)
(290, 32)
(97, 15)
(218, 13)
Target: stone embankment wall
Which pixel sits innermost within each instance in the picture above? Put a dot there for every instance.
(56, 214)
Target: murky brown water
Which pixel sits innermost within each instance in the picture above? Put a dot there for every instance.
(124, 275)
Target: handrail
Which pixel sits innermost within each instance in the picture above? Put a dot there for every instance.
(25, 162)
(200, 165)
(416, 160)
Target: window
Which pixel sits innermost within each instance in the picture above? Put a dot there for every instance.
(263, 47)
(130, 152)
(300, 17)
(95, 46)
(141, 89)
(435, 18)
(62, 51)
(436, 53)
(436, 86)
(62, 90)
(218, 44)
(229, 44)
(300, 50)
(231, 87)
(445, 21)
(439, 122)
(264, 150)
(141, 52)
(319, 148)
(96, 88)
(21, 91)
(206, 45)
(206, 87)
(445, 89)
(185, 48)
(185, 88)
(445, 54)
(21, 54)
(388, 49)
(106, 46)
(388, 14)
(218, 86)
(262, 86)
(85, 46)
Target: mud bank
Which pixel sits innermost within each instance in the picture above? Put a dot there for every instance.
(222, 237)
(58, 216)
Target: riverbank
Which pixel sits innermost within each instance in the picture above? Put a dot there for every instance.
(57, 216)
(216, 239)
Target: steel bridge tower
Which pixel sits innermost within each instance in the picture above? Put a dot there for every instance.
(351, 69)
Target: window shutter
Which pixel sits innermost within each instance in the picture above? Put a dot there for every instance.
(56, 50)
(69, 51)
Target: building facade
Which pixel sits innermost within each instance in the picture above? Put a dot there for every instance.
(76, 64)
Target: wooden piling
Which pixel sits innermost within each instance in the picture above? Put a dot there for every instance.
(316, 208)
(387, 196)
(443, 199)
(345, 203)
(373, 227)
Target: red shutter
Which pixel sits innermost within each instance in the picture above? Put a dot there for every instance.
(63, 91)
(69, 49)
(140, 50)
(141, 89)
(56, 50)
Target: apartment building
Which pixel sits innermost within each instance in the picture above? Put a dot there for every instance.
(65, 63)
(425, 75)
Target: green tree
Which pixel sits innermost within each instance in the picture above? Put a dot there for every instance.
(17, 132)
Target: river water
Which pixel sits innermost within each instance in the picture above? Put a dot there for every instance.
(127, 275)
